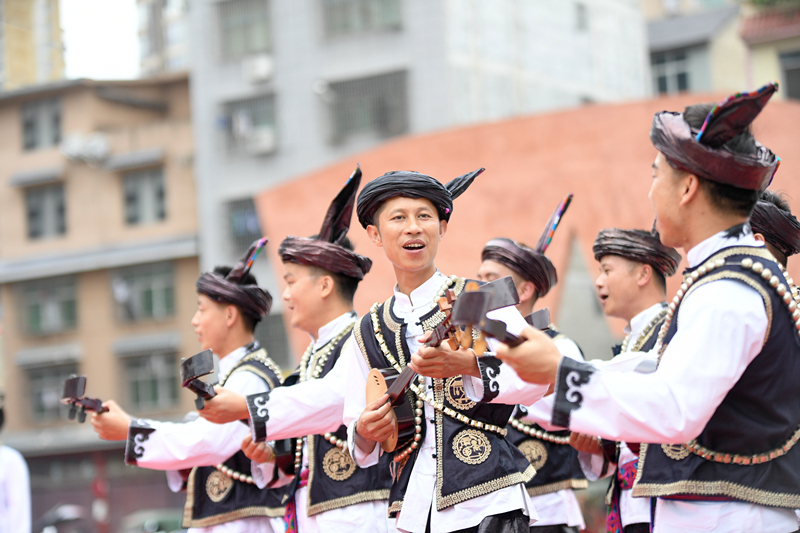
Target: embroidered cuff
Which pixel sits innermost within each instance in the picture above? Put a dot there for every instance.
(259, 414)
(489, 366)
(571, 376)
(138, 432)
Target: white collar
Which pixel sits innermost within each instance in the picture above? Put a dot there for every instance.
(332, 328)
(640, 321)
(229, 361)
(717, 242)
(421, 297)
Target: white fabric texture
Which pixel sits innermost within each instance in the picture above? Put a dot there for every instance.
(15, 492)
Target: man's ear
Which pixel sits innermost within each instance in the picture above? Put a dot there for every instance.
(442, 228)
(645, 275)
(375, 235)
(689, 189)
(759, 237)
(326, 286)
(526, 291)
(231, 315)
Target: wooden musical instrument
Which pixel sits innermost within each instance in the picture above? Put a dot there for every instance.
(497, 294)
(74, 395)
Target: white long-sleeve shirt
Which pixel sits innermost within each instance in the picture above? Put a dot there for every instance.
(419, 500)
(560, 507)
(723, 324)
(15, 492)
(311, 408)
(176, 446)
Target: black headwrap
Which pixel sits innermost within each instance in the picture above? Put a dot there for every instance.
(779, 228)
(251, 299)
(326, 250)
(702, 152)
(637, 245)
(530, 263)
(410, 184)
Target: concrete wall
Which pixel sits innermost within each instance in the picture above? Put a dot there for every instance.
(728, 57)
(32, 48)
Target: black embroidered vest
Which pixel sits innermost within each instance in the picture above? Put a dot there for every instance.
(556, 464)
(759, 416)
(214, 498)
(470, 462)
(334, 479)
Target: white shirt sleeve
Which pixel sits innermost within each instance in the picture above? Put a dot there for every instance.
(174, 446)
(17, 489)
(355, 367)
(722, 327)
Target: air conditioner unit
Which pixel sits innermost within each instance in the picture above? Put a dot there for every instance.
(260, 141)
(257, 69)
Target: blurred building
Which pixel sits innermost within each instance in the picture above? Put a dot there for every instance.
(163, 36)
(31, 50)
(280, 88)
(773, 38)
(98, 258)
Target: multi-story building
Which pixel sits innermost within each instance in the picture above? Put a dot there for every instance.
(163, 37)
(283, 87)
(773, 39)
(98, 258)
(31, 50)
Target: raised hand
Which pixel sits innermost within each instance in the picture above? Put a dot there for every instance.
(226, 406)
(376, 423)
(444, 362)
(259, 452)
(112, 424)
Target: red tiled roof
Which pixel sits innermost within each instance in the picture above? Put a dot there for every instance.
(531, 163)
(771, 26)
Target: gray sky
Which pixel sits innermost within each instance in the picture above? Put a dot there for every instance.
(100, 38)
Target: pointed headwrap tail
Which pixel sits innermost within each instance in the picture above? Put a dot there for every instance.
(552, 224)
(246, 262)
(457, 186)
(337, 220)
(731, 116)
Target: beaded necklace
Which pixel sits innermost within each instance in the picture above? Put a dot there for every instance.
(261, 357)
(680, 451)
(320, 358)
(419, 390)
(645, 334)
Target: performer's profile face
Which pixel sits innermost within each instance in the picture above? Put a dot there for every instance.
(492, 270)
(409, 231)
(303, 295)
(616, 285)
(665, 197)
(210, 323)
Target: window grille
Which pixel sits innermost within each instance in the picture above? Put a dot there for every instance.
(152, 381)
(41, 124)
(244, 28)
(343, 17)
(375, 105)
(45, 210)
(790, 65)
(144, 292)
(45, 386)
(670, 72)
(244, 224)
(250, 125)
(49, 305)
(144, 196)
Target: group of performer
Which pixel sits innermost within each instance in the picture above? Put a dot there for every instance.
(694, 419)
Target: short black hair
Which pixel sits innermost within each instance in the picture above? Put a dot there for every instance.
(346, 286)
(250, 322)
(726, 197)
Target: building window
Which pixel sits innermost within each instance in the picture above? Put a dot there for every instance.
(244, 27)
(790, 65)
(374, 105)
(49, 305)
(144, 196)
(343, 17)
(152, 381)
(45, 210)
(45, 385)
(41, 124)
(581, 17)
(251, 125)
(244, 224)
(271, 335)
(670, 72)
(145, 292)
